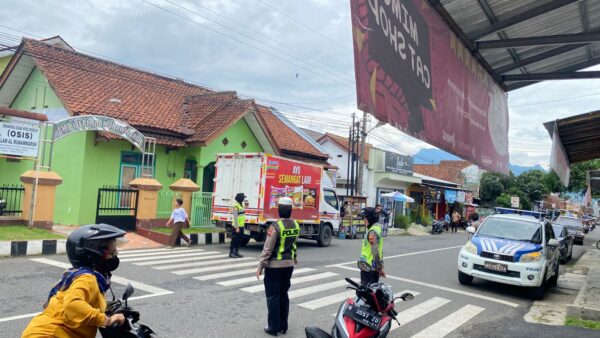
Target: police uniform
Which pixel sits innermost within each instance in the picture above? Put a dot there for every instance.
(239, 219)
(278, 259)
(372, 255)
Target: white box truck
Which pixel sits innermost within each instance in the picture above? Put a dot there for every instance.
(264, 179)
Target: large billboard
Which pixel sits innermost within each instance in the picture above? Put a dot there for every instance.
(415, 74)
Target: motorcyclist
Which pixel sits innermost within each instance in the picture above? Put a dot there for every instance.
(76, 305)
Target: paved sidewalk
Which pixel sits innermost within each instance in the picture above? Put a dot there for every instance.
(587, 303)
(135, 241)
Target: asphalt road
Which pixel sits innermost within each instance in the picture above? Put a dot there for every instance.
(200, 293)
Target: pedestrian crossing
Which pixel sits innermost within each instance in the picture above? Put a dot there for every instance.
(315, 289)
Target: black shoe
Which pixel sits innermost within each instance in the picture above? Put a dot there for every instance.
(283, 331)
(270, 332)
(237, 253)
(232, 255)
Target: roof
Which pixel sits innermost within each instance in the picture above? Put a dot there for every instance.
(456, 163)
(579, 134)
(23, 114)
(174, 112)
(286, 139)
(432, 179)
(526, 218)
(522, 42)
(450, 173)
(313, 134)
(343, 142)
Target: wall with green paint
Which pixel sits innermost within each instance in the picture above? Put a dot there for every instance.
(4, 62)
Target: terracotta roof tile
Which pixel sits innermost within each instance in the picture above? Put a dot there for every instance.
(286, 139)
(452, 173)
(343, 142)
(86, 85)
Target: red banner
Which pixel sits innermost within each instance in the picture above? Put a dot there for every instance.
(414, 73)
(299, 181)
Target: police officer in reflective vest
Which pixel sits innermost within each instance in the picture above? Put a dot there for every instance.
(237, 230)
(277, 260)
(371, 255)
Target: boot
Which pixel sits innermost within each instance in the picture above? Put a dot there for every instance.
(232, 253)
(237, 253)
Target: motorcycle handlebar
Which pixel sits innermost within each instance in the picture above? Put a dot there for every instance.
(351, 282)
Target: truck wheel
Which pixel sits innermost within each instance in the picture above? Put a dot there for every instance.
(325, 235)
(464, 279)
(244, 241)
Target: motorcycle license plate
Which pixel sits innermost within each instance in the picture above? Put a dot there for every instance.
(363, 316)
(495, 267)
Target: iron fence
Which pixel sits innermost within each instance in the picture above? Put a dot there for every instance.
(165, 203)
(11, 197)
(201, 210)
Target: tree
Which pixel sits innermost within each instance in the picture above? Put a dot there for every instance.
(577, 178)
(503, 200)
(492, 185)
(531, 183)
(553, 182)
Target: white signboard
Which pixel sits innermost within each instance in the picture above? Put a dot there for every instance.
(19, 139)
(76, 124)
(460, 197)
(514, 201)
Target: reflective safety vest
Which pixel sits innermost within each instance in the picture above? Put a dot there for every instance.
(241, 219)
(366, 255)
(285, 247)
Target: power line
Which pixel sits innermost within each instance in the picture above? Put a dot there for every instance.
(553, 101)
(305, 26)
(243, 42)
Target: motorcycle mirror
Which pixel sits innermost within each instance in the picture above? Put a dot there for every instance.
(407, 296)
(128, 291)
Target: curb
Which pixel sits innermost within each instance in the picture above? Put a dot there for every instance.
(196, 239)
(34, 247)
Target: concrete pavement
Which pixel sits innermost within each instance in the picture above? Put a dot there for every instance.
(199, 292)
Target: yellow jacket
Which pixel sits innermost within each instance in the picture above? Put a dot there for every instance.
(74, 313)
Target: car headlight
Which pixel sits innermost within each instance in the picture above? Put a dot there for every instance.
(531, 257)
(470, 247)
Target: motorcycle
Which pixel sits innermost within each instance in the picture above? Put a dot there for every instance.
(437, 227)
(131, 328)
(369, 315)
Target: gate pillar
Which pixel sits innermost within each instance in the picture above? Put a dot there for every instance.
(147, 199)
(45, 197)
(186, 188)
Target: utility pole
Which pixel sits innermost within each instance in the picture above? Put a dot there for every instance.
(352, 156)
(349, 159)
(361, 156)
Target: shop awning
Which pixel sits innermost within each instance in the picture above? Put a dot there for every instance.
(380, 176)
(436, 182)
(593, 180)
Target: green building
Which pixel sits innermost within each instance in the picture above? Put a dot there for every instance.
(190, 123)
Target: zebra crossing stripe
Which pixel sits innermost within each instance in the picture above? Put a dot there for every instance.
(317, 288)
(203, 262)
(419, 310)
(226, 274)
(198, 257)
(214, 268)
(133, 253)
(450, 323)
(328, 300)
(140, 259)
(248, 280)
(294, 281)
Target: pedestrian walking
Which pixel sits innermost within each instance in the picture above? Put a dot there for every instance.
(179, 219)
(237, 229)
(446, 221)
(455, 221)
(371, 255)
(277, 260)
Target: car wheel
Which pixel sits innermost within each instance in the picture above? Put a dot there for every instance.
(537, 293)
(464, 279)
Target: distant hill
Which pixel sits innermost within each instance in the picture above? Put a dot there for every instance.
(434, 156)
(519, 169)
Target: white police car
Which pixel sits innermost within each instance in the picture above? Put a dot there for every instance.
(511, 249)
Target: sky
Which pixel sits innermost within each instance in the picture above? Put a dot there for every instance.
(293, 55)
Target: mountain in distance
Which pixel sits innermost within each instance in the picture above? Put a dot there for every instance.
(434, 156)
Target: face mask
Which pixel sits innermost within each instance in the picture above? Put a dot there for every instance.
(108, 265)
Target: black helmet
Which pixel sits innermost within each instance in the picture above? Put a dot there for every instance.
(82, 244)
(370, 215)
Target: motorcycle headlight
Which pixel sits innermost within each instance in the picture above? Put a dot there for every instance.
(531, 257)
(470, 247)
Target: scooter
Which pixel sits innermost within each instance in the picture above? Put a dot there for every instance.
(131, 328)
(370, 315)
(437, 227)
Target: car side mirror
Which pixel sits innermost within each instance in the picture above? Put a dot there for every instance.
(471, 230)
(553, 242)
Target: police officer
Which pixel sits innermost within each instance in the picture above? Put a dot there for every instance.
(277, 260)
(237, 230)
(371, 255)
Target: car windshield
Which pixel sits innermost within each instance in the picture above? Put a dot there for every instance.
(513, 229)
(557, 230)
(571, 223)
